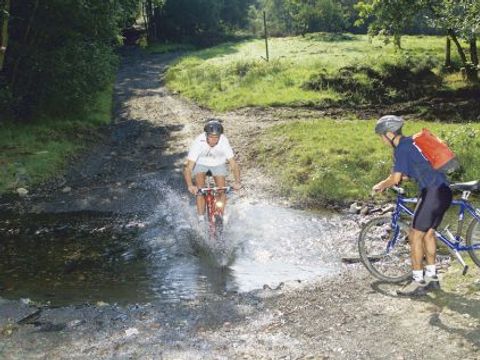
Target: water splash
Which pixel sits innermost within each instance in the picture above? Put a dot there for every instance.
(165, 255)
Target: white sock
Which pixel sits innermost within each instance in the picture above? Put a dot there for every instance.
(417, 275)
(430, 270)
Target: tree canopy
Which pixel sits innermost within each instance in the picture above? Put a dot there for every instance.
(459, 19)
(63, 46)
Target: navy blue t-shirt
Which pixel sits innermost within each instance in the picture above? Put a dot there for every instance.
(410, 162)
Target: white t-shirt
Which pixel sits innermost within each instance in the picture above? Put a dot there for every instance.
(201, 153)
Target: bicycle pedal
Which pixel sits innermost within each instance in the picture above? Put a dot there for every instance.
(465, 269)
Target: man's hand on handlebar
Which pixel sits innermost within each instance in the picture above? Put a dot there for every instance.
(193, 189)
(377, 188)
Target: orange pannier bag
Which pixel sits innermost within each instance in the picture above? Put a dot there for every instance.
(435, 151)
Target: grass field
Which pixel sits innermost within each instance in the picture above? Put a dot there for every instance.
(33, 152)
(326, 161)
(235, 75)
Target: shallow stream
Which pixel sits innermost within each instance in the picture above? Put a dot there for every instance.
(89, 257)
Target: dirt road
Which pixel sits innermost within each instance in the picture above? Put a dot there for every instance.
(349, 316)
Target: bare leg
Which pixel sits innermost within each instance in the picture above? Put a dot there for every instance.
(430, 247)
(220, 182)
(417, 251)
(200, 183)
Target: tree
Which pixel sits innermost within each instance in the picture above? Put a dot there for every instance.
(61, 52)
(302, 16)
(389, 18)
(198, 19)
(460, 19)
(4, 16)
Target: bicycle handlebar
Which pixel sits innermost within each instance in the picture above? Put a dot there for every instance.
(464, 186)
(398, 190)
(204, 191)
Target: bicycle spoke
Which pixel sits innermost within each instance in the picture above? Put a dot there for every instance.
(473, 239)
(387, 260)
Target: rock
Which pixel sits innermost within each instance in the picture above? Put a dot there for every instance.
(66, 189)
(354, 208)
(131, 332)
(364, 211)
(22, 192)
(388, 208)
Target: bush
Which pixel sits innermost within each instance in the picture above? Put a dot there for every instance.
(81, 70)
(6, 100)
(68, 55)
(407, 79)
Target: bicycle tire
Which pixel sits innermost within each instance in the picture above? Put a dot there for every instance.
(473, 238)
(394, 266)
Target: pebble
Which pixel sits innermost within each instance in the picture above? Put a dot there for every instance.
(354, 208)
(22, 192)
(131, 332)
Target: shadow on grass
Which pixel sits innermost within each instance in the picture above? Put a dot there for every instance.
(220, 50)
(330, 37)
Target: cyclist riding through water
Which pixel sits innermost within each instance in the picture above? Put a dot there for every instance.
(210, 151)
(434, 201)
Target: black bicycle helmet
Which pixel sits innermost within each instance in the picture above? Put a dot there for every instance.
(213, 127)
(388, 123)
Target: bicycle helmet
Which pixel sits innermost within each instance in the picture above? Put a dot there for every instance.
(213, 127)
(388, 123)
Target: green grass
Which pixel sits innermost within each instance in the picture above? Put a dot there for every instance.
(330, 161)
(234, 75)
(31, 153)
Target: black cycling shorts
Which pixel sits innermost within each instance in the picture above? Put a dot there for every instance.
(431, 207)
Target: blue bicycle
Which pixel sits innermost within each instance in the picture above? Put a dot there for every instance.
(383, 242)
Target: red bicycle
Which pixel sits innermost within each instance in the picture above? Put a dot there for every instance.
(214, 209)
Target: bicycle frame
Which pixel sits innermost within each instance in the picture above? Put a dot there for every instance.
(453, 242)
(214, 208)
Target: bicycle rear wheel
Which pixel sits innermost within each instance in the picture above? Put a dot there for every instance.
(390, 265)
(473, 238)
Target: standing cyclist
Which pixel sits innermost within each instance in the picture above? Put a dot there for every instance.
(209, 152)
(434, 201)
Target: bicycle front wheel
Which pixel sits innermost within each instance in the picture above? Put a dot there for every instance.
(473, 238)
(384, 251)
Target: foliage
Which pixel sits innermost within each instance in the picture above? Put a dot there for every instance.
(462, 16)
(458, 19)
(299, 16)
(6, 99)
(391, 18)
(181, 20)
(325, 160)
(64, 46)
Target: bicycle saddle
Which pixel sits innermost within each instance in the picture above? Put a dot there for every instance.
(466, 186)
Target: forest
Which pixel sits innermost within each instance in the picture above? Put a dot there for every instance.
(68, 48)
